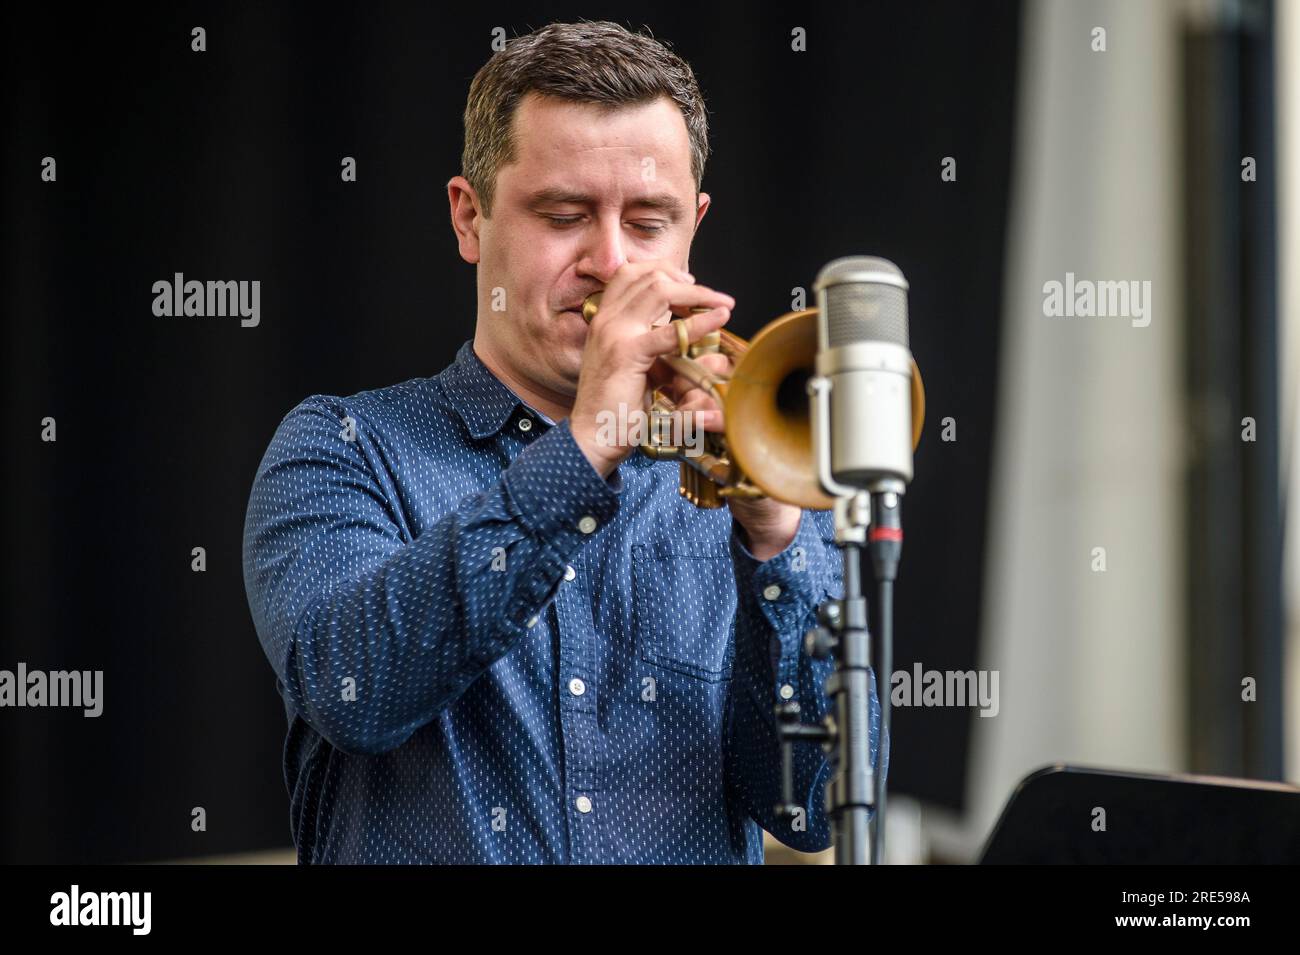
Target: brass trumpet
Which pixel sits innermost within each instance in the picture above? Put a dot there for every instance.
(766, 449)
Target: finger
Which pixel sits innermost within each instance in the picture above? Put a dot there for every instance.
(632, 274)
(701, 406)
(701, 418)
(679, 387)
(697, 297)
(656, 296)
(635, 270)
(662, 339)
(692, 397)
(709, 419)
(715, 363)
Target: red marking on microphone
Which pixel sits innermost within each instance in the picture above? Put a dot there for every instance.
(886, 534)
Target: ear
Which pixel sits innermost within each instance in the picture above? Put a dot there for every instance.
(466, 217)
(702, 206)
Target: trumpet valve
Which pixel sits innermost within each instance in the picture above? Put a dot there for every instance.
(709, 344)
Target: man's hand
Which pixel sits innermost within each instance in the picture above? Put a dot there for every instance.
(622, 344)
(769, 525)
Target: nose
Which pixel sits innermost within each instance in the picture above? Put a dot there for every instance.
(603, 252)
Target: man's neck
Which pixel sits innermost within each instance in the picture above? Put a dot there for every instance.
(552, 404)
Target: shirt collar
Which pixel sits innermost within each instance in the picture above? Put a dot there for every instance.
(484, 402)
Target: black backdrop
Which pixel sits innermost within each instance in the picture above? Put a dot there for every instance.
(225, 165)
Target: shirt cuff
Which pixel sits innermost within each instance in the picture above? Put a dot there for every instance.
(786, 589)
(559, 496)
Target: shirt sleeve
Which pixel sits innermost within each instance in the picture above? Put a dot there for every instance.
(370, 632)
(777, 602)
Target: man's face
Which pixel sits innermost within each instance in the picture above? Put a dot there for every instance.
(589, 191)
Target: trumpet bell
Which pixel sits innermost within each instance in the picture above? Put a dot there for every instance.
(767, 413)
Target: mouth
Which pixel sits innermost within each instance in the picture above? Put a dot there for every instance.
(576, 306)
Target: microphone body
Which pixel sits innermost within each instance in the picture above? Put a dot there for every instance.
(864, 357)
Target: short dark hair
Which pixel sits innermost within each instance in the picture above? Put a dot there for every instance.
(588, 62)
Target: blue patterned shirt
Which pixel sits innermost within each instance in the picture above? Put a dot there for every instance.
(488, 653)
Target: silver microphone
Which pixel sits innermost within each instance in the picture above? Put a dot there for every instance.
(862, 394)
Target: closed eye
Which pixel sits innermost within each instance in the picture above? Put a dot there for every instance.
(560, 222)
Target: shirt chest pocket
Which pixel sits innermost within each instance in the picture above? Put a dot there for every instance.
(684, 606)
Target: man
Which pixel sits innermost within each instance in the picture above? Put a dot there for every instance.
(501, 636)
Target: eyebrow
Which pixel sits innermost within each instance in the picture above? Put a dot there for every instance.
(663, 202)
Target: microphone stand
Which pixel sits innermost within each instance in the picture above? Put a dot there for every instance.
(886, 545)
(862, 340)
(857, 786)
(851, 790)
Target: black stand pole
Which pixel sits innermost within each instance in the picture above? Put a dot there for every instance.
(850, 792)
(853, 788)
(885, 547)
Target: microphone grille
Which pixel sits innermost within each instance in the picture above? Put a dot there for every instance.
(866, 300)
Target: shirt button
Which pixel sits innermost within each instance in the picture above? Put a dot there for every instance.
(583, 804)
(587, 524)
(772, 591)
(569, 572)
(525, 424)
(532, 622)
(787, 691)
(577, 687)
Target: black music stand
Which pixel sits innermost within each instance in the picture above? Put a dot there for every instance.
(1150, 819)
